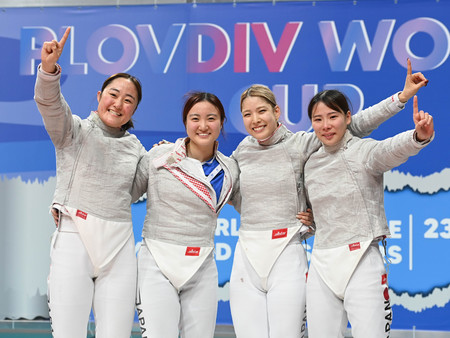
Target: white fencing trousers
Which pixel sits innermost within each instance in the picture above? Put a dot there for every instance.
(73, 289)
(366, 302)
(165, 312)
(279, 310)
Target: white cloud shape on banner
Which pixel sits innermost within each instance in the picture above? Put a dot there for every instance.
(395, 180)
(419, 302)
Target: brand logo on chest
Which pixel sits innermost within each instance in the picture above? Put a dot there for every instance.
(192, 251)
(81, 214)
(354, 246)
(279, 233)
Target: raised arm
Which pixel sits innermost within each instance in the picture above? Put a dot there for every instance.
(54, 109)
(369, 119)
(396, 150)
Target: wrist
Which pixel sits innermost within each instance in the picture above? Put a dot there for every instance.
(421, 140)
(402, 97)
(55, 71)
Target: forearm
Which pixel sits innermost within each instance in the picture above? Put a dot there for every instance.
(367, 120)
(52, 106)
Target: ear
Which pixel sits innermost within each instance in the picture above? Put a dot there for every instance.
(348, 117)
(277, 112)
(99, 95)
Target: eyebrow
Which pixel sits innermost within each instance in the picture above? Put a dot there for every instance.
(118, 91)
(208, 114)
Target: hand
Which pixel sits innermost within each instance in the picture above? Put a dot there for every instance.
(306, 217)
(160, 142)
(55, 214)
(424, 123)
(51, 51)
(413, 83)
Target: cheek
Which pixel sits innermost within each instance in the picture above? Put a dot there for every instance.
(247, 123)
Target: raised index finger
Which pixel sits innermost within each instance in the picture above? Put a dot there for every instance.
(415, 106)
(63, 40)
(408, 67)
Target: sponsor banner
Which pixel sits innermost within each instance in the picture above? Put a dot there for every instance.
(295, 48)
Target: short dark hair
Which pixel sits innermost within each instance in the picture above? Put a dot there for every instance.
(332, 98)
(136, 83)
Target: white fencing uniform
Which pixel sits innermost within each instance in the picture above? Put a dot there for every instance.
(75, 286)
(268, 298)
(93, 261)
(348, 281)
(365, 302)
(272, 190)
(189, 310)
(177, 274)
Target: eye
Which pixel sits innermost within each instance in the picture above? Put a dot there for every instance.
(246, 115)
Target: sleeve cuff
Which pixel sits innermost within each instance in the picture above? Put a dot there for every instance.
(58, 70)
(395, 99)
(424, 142)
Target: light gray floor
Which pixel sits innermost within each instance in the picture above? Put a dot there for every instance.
(41, 329)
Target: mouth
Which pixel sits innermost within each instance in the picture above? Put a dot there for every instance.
(328, 136)
(203, 134)
(258, 129)
(113, 112)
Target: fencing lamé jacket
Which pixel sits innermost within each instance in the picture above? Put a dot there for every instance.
(95, 172)
(272, 188)
(95, 164)
(271, 172)
(345, 186)
(182, 206)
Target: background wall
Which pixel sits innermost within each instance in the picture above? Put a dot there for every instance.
(296, 48)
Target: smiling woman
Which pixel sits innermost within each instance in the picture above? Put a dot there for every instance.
(93, 263)
(188, 183)
(118, 100)
(344, 182)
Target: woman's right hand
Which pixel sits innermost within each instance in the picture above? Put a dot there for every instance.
(51, 51)
(55, 215)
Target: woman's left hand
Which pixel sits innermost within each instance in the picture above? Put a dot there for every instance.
(306, 217)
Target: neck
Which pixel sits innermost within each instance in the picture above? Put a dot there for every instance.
(202, 154)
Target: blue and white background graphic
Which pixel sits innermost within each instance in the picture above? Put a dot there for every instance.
(297, 49)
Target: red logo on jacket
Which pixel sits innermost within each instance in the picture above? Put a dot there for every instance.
(81, 214)
(384, 279)
(192, 251)
(354, 246)
(279, 233)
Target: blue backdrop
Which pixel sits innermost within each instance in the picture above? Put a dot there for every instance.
(297, 49)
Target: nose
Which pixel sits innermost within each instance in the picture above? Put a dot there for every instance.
(326, 124)
(255, 118)
(203, 125)
(118, 103)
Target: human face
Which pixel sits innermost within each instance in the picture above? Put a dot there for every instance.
(260, 118)
(328, 124)
(203, 126)
(117, 102)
